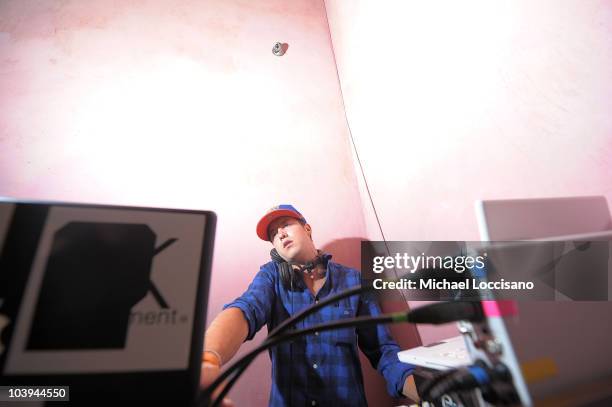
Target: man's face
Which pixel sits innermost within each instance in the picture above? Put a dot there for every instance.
(292, 240)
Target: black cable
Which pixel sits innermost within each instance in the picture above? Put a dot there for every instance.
(245, 360)
(231, 383)
(426, 387)
(287, 323)
(307, 311)
(494, 383)
(279, 329)
(458, 380)
(283, 327)
(436, 313)
(359, 290)
(290, 321)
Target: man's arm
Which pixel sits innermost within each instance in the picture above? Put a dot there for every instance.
(226, 333)
(380, 348)
(223, 338)
(243, 317)
(239, 321)
(410, 389)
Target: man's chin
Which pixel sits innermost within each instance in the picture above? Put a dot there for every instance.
(291, 255)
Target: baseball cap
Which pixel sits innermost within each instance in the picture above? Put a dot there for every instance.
(273, 214)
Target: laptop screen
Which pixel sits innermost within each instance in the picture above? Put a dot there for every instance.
(560, 345)
(93, 294)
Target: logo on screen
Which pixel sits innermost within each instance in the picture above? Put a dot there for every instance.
(95, 273)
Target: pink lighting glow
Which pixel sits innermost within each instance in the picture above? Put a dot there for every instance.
(183, 104)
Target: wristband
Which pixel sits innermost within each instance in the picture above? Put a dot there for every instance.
(212, 356)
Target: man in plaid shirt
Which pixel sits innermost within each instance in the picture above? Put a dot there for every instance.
(320, 369)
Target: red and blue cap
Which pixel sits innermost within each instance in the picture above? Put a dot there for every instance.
(273, 214)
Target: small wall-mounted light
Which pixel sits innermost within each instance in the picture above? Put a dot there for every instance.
(279, 49)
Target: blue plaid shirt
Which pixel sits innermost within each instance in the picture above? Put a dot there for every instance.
(321, 369)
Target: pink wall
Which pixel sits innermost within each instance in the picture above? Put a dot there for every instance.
(181, 104)
(457, 101)
(184, 105)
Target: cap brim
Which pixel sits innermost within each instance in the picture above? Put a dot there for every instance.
(264, 222)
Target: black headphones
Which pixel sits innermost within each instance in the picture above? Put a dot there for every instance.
(286, 269)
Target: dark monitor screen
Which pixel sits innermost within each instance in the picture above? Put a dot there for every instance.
(108, 300)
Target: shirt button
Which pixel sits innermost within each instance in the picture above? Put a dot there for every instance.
(315, 365)
(317, 301)
(313, 403)
(317, 333)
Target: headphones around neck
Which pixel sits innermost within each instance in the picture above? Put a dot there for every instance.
(286, 269)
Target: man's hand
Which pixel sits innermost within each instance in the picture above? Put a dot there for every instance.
(410, 389)
(223, 338)
(210, 372)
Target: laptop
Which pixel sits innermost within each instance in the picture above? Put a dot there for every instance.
(108, 300)
(442, 355)
(521, 219)
(555, 349)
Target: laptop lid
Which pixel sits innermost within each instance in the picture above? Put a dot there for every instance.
(518, 219)
(553, 346)
(108, 300)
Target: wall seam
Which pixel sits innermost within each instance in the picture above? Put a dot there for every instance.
(351, 139)
(356, 153)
